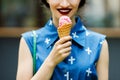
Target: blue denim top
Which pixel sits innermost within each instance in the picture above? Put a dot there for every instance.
(81, 63)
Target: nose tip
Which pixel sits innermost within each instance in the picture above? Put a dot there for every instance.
(64, 3)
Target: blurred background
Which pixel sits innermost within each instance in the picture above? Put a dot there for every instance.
(18, 16)
(29, 13)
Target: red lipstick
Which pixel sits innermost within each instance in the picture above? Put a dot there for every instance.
(64, 11)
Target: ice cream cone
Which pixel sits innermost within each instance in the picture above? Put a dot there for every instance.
(64, 30)
(65, 25)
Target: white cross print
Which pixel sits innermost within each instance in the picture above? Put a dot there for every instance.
(75, 35)
(87, 33)
(67, 76)
(71, 59)
(88, 50)
(88, 72)
(33, 35)
(101, 42)
(47, 40)
(50, 23)
(83, 27)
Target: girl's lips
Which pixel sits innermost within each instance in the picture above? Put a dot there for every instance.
(64, 11)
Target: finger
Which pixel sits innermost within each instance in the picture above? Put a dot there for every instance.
(63, 46)
(67, 44)
(65, 50)
(64, 39)
(66, 54)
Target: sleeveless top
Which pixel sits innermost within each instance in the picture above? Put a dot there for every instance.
(81, 63)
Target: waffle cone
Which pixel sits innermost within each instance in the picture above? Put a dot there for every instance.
(64, 30)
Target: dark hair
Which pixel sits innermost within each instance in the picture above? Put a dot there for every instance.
(82, 3)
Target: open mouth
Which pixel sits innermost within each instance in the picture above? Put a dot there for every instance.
(64, 11)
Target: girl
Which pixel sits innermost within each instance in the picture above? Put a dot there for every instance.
(81, 56)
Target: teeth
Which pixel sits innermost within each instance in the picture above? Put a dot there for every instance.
(64, 10)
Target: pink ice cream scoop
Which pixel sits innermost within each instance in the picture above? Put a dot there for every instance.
(64, 20)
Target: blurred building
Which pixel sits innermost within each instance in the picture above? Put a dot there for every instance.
(21, 13)
(17, 13)
(103, 13)
(114, 8)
